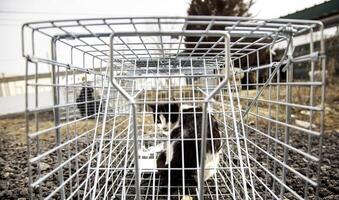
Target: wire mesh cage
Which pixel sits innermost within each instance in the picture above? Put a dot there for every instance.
(174, 108)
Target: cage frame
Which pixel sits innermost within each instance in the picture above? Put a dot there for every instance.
(32, 59)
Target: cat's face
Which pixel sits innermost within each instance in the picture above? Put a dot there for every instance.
(166, 116)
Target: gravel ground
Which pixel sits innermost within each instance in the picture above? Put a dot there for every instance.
(13, 168)
(330, 167)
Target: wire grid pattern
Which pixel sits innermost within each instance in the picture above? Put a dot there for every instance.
(144, 59)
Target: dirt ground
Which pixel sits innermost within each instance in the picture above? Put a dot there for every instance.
(13, 164)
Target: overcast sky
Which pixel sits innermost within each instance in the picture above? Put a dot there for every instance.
(15, 12)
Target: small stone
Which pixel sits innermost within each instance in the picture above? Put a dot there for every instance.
(305, 112)
(6, 174)
(44, 166)
(325, 168)
(8, 169)
(24, 192)
(82, 157)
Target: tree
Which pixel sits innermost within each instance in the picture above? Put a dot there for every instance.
(219, 7)
(215, 8)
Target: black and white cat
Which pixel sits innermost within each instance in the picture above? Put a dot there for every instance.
(185, 153)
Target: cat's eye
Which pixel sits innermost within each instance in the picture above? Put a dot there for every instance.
(158, 121)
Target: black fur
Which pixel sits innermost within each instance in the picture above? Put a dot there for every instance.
(190, 150)
(167, 110)
(89, 108)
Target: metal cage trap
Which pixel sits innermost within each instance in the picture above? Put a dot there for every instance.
(224, 100)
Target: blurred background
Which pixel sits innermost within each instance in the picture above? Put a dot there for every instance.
(13, 13)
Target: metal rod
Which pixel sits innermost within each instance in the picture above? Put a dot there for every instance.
(56, 97)
(268, 80)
